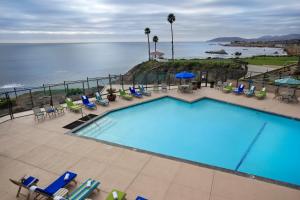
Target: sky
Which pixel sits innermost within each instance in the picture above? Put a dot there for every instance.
(125, 20)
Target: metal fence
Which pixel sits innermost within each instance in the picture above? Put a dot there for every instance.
(19, 100)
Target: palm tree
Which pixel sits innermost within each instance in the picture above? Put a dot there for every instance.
(171, 20)
(147, 32)
(155, 40)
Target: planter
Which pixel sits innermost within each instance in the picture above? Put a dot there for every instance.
(111, 97)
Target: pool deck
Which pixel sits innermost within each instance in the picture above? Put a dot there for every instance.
(45, 151)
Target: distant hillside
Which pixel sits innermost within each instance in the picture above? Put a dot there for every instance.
(263, 38)
(227, 39)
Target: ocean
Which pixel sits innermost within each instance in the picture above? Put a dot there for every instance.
(27, 65)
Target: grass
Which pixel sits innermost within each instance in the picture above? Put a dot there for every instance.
(272, 60)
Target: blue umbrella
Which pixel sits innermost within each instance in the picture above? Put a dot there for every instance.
(287, 81)
(185, 75)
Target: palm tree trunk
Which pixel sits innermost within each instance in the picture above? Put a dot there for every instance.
(148, 47)
(172, 42)
(155, 48)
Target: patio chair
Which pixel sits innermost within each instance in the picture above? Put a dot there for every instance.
(239, 90)
(60, 182)
(100, 101)
(250, 92)
(135, 93)
(219, 85)
(125, 95)
(164, 87)
(84, 190)
(87, 103)
(50, 111)
(72, 106)
(228, 88)
(38, 113)
(261, 94)
(143, 91)
(59, 109)
(24, 182)
(116, 195)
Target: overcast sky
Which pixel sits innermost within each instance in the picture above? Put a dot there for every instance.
(125, 20)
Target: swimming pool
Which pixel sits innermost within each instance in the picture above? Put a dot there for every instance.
(208, 132)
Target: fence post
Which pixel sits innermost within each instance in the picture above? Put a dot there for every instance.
(44, 89)
(31, 98)
(109, 79)
(200, 79)
(88, 84)
(122, 81)
(67, 90)
(98, 86)
(133, 83)
(65, 87)
(83, 90)
(50, 92)
(16, 93)
(10, 111)
(169, 79)
(146, 81)
(206, 78)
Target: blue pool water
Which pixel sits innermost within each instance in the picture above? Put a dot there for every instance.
(208, 132)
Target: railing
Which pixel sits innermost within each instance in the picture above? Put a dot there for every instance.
(15, 102)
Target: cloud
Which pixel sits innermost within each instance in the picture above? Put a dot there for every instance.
(120, 20)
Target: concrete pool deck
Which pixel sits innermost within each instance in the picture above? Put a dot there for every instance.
(45, 151)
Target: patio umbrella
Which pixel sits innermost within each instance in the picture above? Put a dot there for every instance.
(287, 81)
(185, 75)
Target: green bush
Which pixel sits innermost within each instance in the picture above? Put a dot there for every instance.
(74, 91)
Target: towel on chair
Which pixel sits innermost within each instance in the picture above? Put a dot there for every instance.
(59, 198)
(115, 195)
(67, 176)
(32, 188)
(89, 183)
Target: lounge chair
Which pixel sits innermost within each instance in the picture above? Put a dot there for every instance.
(143, 91)
(140, 198)
(38, 113)
(261, 94)
(72, 106)
(84, 190)
(100, 101)
(228, 88)
(125, 95)
(135, 93)
(87, 103)
(239, 90)
(121, 195)
(56, 185)
(50, 111)
(25, 182)
(251, 92)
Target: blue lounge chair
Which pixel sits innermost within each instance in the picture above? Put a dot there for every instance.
(135, 93)
(25, 182)
(59, 183)
(87, 103)
(100, 101)
(84, 190)
(140, 198)
(251, 92)
(239, 90)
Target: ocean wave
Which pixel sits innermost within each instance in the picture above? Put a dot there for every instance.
(12, 85)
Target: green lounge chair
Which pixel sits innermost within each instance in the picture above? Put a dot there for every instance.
(121, 195)
(84, 190)
(72, 106)
(228, 88)
(124, 95)
(261, 94)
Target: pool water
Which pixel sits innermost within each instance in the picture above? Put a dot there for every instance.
(208, 132)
